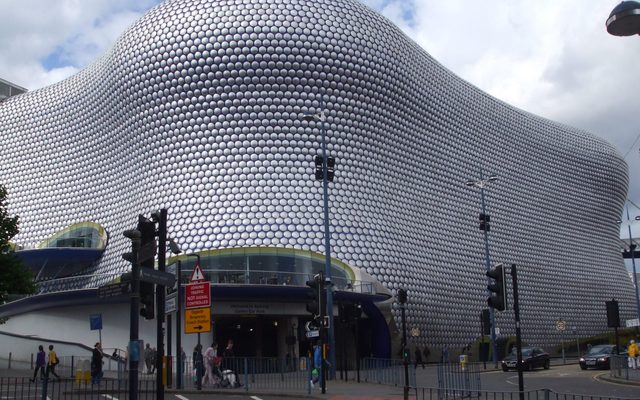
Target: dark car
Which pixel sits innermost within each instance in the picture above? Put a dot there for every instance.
(598, 357)
(532, 357)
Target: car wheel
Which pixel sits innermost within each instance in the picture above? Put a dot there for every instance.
(504, 368)
(547, 364)
(583, 367)
(529, 367)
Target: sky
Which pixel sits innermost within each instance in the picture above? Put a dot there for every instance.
(548, 57)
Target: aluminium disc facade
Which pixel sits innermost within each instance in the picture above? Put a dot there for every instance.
(199, 108)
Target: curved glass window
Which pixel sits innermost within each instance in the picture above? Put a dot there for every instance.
(85, 235)
(264, 265)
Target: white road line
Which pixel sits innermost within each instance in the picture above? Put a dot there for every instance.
(181, 397)
(108, 396)
(256, 398)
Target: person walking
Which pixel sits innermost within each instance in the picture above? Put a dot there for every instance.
(419, 360)
(40, 363)
(209, 358)
(96, 364)
(426, 353)
(52, 361)
(198, 365)
(148, 358)
(632, 353)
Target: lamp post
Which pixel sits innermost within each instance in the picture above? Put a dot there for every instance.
(327, 234)
(481, 184)
(632, 248)
(175, 249)
(624, 19)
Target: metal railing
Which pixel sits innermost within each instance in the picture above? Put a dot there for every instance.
(385, 371)
(458, 379)
(218, 276)
(252, 373)
(23, 388)
(620, 368)
(539, 394)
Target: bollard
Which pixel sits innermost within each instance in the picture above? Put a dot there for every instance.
(9, 360)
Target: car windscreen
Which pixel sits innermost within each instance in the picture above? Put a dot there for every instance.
(600, 350)
(525, 352)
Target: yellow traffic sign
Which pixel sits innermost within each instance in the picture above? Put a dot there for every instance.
(197, 320)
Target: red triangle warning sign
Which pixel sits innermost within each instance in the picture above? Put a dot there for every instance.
(197, 275)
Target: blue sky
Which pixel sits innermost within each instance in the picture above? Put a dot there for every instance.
(551, 58)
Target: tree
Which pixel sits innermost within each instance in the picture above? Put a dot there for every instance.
(15, 278)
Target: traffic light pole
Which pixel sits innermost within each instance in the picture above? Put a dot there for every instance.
(405, 362)
(492, 313)
(134, 356)
(161, 219)
(516, 311)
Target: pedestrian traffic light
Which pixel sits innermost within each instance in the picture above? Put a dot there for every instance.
(402, 296)
(484, 222)
(498, 298)
(148, 248)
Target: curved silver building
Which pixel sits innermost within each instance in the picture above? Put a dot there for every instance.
(199, 108)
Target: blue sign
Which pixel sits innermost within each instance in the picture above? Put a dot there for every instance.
(134, 349)
(95, 320)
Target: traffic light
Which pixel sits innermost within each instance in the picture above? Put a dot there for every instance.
(318, 161)
(331, 164)
(484, 222)
(402, 296)
(498, 298)
(485, 321)
(613, 314)
(315, 306)
(147, 252)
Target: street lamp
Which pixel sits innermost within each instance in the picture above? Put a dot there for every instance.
(327, 235)
(484, 224)
(632, 248)
(175, 249)
(624, 20)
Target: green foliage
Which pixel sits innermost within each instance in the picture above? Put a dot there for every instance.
(14, 277)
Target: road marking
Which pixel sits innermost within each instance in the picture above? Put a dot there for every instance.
(256, 398)
(108, 396)
(181, 397)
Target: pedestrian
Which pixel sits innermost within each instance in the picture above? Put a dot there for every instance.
(419, 360)
(317, 365)
(198, 366)
(632, 353)
(183, 358)
(445, 354)
(426, 352)
(228, 359)
(148, 358)
(210, 354)
(52, 361)
(154, 359)
(96, 364)
(40, 363)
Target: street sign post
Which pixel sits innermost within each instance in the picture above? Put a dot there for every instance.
(173, 270)
(197, 320)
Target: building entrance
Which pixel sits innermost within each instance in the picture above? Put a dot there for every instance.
(253, 336)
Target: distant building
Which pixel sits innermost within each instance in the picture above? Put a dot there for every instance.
(8, 89)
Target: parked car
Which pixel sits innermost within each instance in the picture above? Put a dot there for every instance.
(598, 357)
(532, 357)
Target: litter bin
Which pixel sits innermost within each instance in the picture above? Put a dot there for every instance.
(83, 372)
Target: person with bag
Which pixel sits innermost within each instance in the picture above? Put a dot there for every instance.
(52, 362)
(96, 364)
(198, 366)
(209, 356)
(40, 362)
